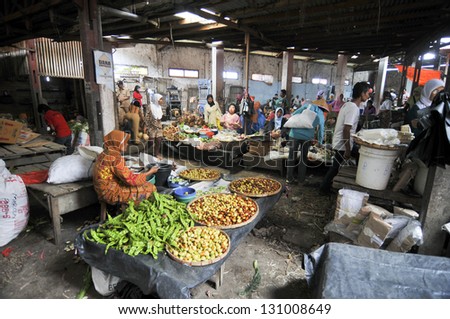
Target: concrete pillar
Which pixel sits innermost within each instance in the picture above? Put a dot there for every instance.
(341, 74)
(437, 214)
(381, 79)
(217, 73)
(286, 73)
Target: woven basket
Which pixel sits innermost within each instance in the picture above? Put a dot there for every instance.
(377, 146)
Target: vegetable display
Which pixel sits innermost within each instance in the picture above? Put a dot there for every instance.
(255, 186)
(199, 246)
(200, 174)
(223, 210)
(144, 229)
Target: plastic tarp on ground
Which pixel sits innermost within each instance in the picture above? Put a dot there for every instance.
(164, 277)
(345, 271)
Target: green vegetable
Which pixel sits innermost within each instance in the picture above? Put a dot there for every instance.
(254, 283)
(87, 279)
(145, 228)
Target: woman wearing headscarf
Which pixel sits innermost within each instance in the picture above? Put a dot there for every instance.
(137, 96)
(385, 110)
(337, 104)
(414, 98)
(421, 107)
(114, 183)
(276, 125)
(299, 141)
(212, 112)
(230, 120)
(154, 124)
(256, 121)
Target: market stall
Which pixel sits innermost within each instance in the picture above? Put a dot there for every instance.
(210, 146)
(164, 276)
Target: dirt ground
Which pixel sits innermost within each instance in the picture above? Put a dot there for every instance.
(38, 269)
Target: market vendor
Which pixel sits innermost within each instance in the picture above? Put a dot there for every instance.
(212, 112)
(154, 124)
(114, 182)
(123, 100)
(56, 121)
(254, 122)
(230, 120)
(276, 125)
(136, 118)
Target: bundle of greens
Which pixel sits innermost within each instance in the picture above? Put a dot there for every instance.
(144, 229)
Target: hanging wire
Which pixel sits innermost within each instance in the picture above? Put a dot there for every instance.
(171, 35)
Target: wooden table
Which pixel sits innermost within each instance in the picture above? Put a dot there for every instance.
(346, 179)
(33, 156)
(57, 199)
(60, 199)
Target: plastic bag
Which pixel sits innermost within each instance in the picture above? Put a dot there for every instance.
(302, 120)
(408, 237)
(14, 208)
(348, 204)
(70, 168)
(104, 283)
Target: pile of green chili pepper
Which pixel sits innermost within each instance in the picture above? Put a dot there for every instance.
(144, 229)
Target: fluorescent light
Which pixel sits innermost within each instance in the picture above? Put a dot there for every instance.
(208, 11)
(429, 56)
(290, 48)
(354, 56)
(391, 69)
(47, 78)
(193, 18)
(445, 40)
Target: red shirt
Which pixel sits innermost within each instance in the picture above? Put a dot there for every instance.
(137, 96)
(58, 123)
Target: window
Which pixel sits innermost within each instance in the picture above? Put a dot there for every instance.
(230, 75)
(319, 81)
(346, 82)
(297, 79)
(263, 78)
(182, 73)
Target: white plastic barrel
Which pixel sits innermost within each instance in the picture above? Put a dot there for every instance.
(375, 166)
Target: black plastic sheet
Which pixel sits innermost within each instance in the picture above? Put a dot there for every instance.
(345, 271)
(163, 276)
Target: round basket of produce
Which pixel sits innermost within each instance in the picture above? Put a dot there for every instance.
(199, 246)
(255, 186)
(200, 174)
(223, 210)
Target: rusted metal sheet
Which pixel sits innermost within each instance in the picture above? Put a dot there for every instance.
(59, 59)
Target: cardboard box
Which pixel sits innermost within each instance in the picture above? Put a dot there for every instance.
(26, 136)
(374, 232)
(9, 131)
